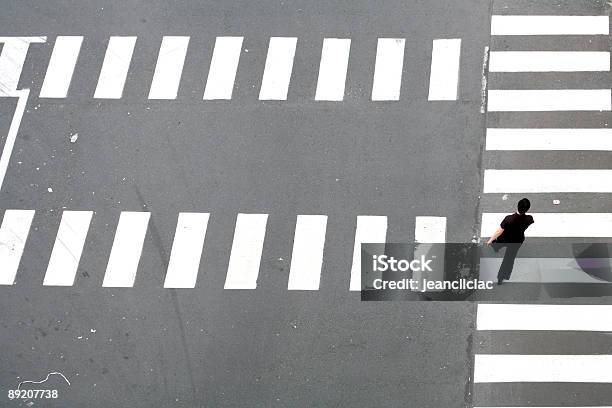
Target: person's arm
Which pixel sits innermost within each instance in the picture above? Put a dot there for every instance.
(495, 235)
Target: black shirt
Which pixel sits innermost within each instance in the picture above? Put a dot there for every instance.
(514, 226)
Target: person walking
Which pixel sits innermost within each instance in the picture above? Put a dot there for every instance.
(511, 234)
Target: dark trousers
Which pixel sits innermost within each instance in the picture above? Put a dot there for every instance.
(505, 270)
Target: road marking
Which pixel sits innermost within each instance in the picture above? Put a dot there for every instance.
(547, 181)
(278, 69)
(115, 67)
(550, 25)
(127, 248)
(549, 61)
(332, 69)
(186, 250)
(243, 268)
(548, 270)
(61, 67)
(307, 256)
(169, 67)
(12, 58)
(544, 317)
(510, 368)
(549, 139)
(430, 230)
(444, 78)
(68, 248)
(514, 100)
(388, 69)
(223, 68)
(370, 229)
(9, 143)
(558, 225)
(13, 235)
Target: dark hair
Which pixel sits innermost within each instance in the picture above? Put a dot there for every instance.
(523, 205)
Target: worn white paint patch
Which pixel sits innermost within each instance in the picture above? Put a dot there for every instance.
(370, 229)
(68, 247)
(169, 67)
(549, 139)
(13, 235)
(9, 143)
(332, 69)
(547, 181)
(12, 58)
(307, 256)
(445, 64)
(558, 225)
(223, 68)
(483, 80)
(550, 25)
(61, 67)
(277, 72)
(388, 69)
(115, 68)
(514, 100)
(243, 268)
(549, 61)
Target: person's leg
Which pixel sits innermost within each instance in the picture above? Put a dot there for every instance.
(500, 274)
(505, 270)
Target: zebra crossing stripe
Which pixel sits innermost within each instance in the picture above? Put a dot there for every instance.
(549, 139)
(548, 61)
(547, 181)
(66, 254)
(169, 68)
(370, 229)
(307, 256)
(278, 69)
(430, 230)
(388, 69)
(243, 268)
(115, 67)
(13, 234)
(12, 58)
(223, 68)
(61, 67)
(557, 225)
(550, 25)
(332, 69)
(444, 74)
(127, 248)
(515, 100)
(186, 250)
(545, 270)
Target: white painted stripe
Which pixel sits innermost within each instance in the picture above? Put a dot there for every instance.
(186, 250)
(12, 58)
(445, 63)
(498, 368)
(13, 234)
(544, 317)
(277, 72)
(370, 229)
(61, 67)
(249, 235)
(169, 68)
(307, 256)
(332, 69)
(115, 67)
(67, 249)
(550, 25)
(126, 250)
(549, 139)
(223, 68)
(430, 230)
(549, 61)
(514, 100)
(559, 225)
(388, 69)
(566, 406)
(548, 181)
(9, 142)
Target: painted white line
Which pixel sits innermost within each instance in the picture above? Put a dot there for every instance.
(68, 248)
(550, 25)
(430, 230)
(9, 143)
(61, 67)
(388, 69)
(549, 139)
(186, 250)
(544, 317)
(12, 58)
(127, 248)
(566, 406)
(332, 69)
(243, 268)
(169, 67)
(307, 256)
(277, 72)
(548, 181)
(13, 235)
(115, 67)
(514, 100)
(549, 61)
(558, 225)
(370, 229)
(444, 78)
(509, 368)
(223, 68)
